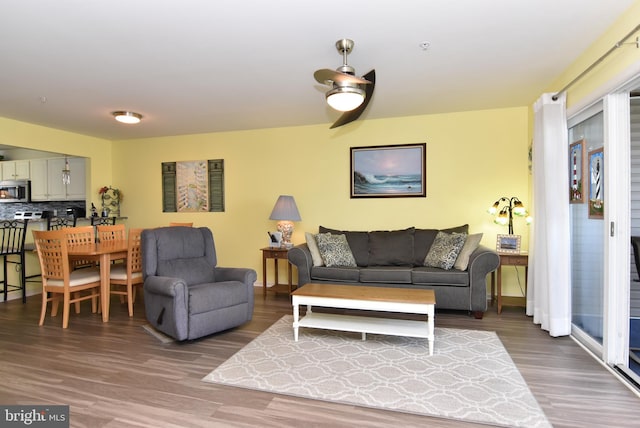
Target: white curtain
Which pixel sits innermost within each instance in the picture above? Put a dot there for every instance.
(549, 280)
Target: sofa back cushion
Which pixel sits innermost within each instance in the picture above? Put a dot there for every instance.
(358, 242)
(423, 239)
(391, 248)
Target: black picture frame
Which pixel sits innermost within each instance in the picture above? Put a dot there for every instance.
(393, 171)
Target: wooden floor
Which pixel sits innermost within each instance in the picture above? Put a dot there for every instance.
(116, 374)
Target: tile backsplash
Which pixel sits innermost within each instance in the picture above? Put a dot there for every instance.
(7, 210)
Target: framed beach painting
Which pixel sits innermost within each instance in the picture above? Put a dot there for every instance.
(596, 183)
(389, 171)
(576, 172)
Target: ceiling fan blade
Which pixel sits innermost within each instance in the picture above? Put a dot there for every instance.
(350, 116)
(326, 77)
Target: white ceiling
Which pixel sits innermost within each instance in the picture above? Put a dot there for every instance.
(193, 66)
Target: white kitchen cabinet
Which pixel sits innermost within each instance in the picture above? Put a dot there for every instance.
(46, 180)
(16, 170)
(39, 181)
(76, 189)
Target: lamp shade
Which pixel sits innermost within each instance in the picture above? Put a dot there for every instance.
(345, 98)
(285, 209)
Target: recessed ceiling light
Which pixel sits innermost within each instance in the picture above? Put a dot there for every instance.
(127, 117)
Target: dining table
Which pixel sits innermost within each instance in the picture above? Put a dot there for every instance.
(104, 253)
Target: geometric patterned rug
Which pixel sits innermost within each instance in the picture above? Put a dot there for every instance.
(470, 376)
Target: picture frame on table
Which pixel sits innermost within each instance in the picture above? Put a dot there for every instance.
(577, 162)
(596, 183)
(508, 244)
(389, 171)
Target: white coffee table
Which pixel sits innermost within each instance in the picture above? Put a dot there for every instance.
(406, 300)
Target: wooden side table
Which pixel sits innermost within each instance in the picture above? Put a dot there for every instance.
(275, 254)
(508, 259)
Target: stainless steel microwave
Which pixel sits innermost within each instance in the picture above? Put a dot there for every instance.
(15, 191)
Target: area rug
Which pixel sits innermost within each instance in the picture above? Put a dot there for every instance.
(470, 376)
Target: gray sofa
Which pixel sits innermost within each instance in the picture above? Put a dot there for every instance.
(396, 259)
(187, 296)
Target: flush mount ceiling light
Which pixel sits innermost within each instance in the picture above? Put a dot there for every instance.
(127, 117)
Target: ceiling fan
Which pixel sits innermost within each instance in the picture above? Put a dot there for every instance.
(349, 93)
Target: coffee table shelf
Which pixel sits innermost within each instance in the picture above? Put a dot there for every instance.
(365, 298)
(364, 325)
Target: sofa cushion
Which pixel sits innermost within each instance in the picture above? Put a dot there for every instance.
(391, 248)
(445, 249)
(386, 274)
(469, 247)
(423, 239)
(335, 250)
(437, 276)
(337, 274)
(313, 249)
(358, 242)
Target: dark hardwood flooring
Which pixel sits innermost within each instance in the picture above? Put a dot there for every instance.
(116, 374)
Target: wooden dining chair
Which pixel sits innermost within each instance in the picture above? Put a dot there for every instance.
(129, 274)
(59, 282)
(111, 232)
(173, 223)
(80, 235)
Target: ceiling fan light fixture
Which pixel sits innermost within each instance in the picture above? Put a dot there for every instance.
(128, 117)
(345, 98)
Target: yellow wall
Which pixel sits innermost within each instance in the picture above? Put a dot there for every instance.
(473, 158)
(619, 60)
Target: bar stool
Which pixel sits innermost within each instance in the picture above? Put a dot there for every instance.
(103, 221)
(12, 236)
(55, 223)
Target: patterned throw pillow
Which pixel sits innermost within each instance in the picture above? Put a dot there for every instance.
(334, 250)
(444, 250)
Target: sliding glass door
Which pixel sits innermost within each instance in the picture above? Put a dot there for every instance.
(587, 175)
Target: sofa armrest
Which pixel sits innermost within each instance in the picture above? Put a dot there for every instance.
(481, 262)
(300, 257)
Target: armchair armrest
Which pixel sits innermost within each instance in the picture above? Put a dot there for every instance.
(244, 275)
(166, 302)
(165, 286)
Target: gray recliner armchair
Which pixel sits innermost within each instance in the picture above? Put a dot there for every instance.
(186, 296)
